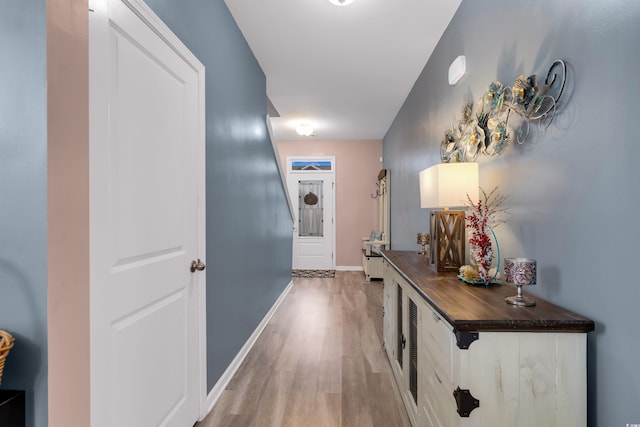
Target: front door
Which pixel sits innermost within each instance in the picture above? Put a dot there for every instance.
(311, 183)
(147, 220)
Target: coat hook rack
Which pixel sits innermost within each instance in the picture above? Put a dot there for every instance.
(378, 192)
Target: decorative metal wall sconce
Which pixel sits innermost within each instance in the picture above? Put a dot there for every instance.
(489, 131)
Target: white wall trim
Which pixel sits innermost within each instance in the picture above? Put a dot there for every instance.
(226, 377)
(349, 268)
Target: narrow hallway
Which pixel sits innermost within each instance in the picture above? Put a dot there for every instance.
(319, 362)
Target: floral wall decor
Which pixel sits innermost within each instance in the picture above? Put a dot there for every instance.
(503, 115)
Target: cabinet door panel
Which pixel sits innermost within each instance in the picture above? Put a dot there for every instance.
(425, 418)
(439, 342)
(439, 398)
(525, 379)
(388, 323)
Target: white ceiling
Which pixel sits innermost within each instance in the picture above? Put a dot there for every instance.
(346, 70)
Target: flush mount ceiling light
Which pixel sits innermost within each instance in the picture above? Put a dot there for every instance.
(304, 129)
(341, 2)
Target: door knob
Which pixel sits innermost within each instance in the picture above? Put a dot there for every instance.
(197, 265)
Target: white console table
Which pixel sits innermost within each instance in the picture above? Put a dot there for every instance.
(462, 357)
(372, 261)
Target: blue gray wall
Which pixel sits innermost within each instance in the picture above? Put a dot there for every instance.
(573, 189)
(23, 200)
(249, 228)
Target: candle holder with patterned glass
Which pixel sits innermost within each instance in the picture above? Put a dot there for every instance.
(423, 239)
(520, 272)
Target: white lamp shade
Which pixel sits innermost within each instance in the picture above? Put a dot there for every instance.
(446, 185)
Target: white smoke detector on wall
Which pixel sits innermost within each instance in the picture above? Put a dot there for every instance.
(457, 69)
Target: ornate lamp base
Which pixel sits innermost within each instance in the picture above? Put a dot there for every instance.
(447, 240)
(520, 300)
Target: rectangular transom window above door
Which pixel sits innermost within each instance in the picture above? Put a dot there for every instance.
(311, 165)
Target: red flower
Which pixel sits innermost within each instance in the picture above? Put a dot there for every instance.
(480, 220)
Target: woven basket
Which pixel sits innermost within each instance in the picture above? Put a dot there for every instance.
(6, 342)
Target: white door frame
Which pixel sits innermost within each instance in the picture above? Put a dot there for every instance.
(310, 174)
(97, 10)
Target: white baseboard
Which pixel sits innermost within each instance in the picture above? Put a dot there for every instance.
(226, 377)
(349, 268)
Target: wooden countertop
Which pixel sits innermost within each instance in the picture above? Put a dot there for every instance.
(478, 308)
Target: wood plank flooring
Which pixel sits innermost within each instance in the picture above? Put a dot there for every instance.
(319, 362)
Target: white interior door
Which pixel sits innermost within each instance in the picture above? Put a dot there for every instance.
(311, 183)
(147, 220)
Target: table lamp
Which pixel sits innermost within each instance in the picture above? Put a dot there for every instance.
(444, 186)
(520, 271)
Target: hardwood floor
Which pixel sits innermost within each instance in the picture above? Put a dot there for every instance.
(318, 363)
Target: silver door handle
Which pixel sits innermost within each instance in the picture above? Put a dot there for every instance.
(197, 265)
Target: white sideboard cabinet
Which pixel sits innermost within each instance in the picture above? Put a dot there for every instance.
(462, 357)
